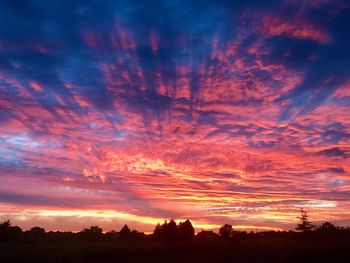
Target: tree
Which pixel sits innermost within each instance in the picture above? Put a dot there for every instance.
(96, 230)
(186, 230)
(327, 227)
(112, 235)
(137, 235)
(304, 225)
(37, 232)
(170, 230)
(5, 225)
(158, 231)
(92, 233)
(9, 232)
(125, 232)
(225, 231)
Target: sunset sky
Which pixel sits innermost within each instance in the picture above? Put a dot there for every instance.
(134, 112)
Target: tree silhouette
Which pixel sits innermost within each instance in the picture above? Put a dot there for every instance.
(170, 230)
(5, 225)
(96, 229)
(328, 244)
(225, 231)
(137, 235)
(92, 233)
(186, 230)
(9, 232)
(112, 235)
(125, 232)
(158, 231)
(327, 227)
(35, 234)
(304, 225)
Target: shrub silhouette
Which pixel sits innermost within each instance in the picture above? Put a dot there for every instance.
(207, 235)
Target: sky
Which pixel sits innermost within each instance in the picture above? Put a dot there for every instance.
(115, 112)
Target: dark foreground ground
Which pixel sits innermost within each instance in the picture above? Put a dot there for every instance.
(249, 250)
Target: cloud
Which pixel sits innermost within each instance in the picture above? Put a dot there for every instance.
(333, 152)
(208, 110)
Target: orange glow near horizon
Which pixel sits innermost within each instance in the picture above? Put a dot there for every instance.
(108, 217)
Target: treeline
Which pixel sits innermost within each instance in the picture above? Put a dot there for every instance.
(172, 242)
(168, 231)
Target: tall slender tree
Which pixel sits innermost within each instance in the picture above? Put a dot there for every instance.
(305, 224)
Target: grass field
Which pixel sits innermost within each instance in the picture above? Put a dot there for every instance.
(254, 250)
